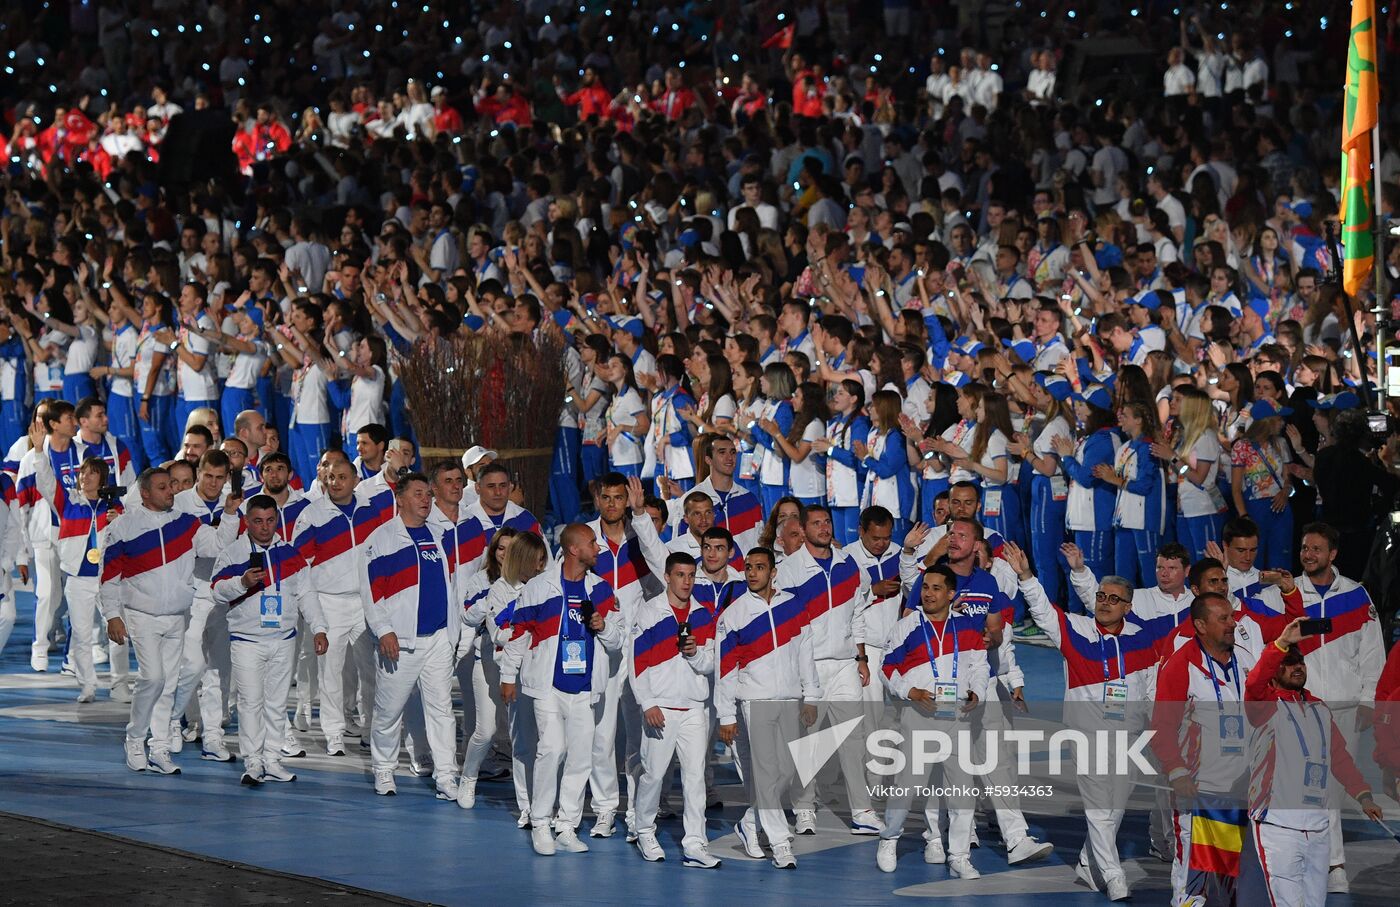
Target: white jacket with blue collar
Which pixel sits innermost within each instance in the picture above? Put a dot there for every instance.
(533, 650)
(389, 580)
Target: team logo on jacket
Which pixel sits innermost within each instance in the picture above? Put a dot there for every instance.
(429, 552)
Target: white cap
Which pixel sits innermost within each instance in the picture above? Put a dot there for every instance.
(438, 90)
(475, 455)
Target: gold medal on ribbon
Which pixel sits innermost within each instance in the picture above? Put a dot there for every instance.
(94, 556)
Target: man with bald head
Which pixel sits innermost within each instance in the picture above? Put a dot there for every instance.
(553, 658)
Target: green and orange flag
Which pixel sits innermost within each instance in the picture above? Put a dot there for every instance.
(1360, 112)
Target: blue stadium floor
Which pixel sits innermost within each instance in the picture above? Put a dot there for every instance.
(63, 763)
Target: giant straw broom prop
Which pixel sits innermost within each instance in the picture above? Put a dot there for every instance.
(501, 391)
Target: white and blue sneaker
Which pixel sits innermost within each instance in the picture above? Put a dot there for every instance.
(866, 822)
(748, 837)
(212, 749)
(699, 857)
(159, 761)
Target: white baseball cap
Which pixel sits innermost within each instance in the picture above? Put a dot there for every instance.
(475, 455)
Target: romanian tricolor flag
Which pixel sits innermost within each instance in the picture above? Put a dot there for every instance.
(1218, 827)
(1359, 121)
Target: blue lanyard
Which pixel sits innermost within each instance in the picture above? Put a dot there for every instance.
(932, 660)
(1103, 653)
(1297, 729)
(1233, 671)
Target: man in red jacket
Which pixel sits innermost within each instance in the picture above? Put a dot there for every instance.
(1387, 752)
(676, 99)
(503, 105)
(591, 99)
(446, 119)
(1295, 750)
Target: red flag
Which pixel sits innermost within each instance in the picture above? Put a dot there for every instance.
(782, 38)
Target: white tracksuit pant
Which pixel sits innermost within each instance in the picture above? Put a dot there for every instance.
(1294, 862)
(48, 596)
(962, 811)
(204, 666)
(1100, 849)
(843, 699)
(428, 669)
(7, 613)
(264, 672)
(686, 736)
(486, 694)
(158, 641)
(997, 716)
(306, 665)
(350, 642)
(82, 616)
(565, 724)
(873, 692)
(1345, 717)
(771, 774)
(617, 702)
(524, 737)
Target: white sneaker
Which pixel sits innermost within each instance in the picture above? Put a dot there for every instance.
(291, 747)
(650, 847)
(1159, 852)
(1085, 874)
(99, 655)
(159, 761)
(629, 819)
(1337, 880)
(466, 793)
(136, 755)
(446, 788)
(121, 691)
(67, 669)
(252, 773)
(962, 868)
(213, 749)
(524, 821)
(352, 729)
(866, 822)
(748, 837)
(885, 854)
(699, 857)
(302, 720)
(604, 825)
(783, 858)
(190, 733)
(384, 783)
(933, 851)
(421, 766)
(568, 841)
(274, 771)
(974, 842)
(806, 821)
(1028, 850)
(1116, 888)
(543, 840)
(87, 693)
(177, 739)
(335, 745)
(39, 661)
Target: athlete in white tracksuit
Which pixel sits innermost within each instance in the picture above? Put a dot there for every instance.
(671, 684)
(764, 660)
(147, 589)
(835, 591)
(564, 624)
(82, 520)
(631, 559)
(1108, 690)
(410, 588)
(330, 534)
(262, 604)
(205, 664)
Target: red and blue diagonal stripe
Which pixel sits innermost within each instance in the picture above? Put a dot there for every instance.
(1349, 611)
(747, 644)
(814, 593)
(145, 552)
(623, 567)
(655, 645)
(392, 573)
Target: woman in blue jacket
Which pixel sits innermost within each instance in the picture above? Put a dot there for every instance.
(1089, 504)
(845, 476)
(886, 462)
(777, 387)
(1138, 513)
